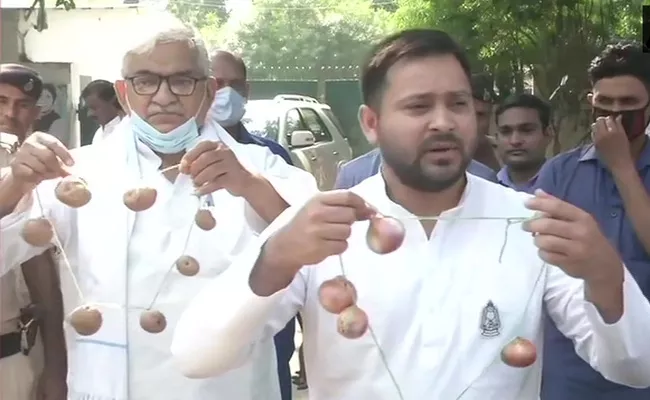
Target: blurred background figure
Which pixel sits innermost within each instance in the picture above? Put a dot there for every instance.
(103, 107)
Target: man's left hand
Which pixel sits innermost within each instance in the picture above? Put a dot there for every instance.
(611, 141)
(213, 166)
(570, 239)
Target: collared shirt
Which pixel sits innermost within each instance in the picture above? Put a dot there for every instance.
(504, 178)
(432, 304)
(104, 131)
(581, 178)
(355, 171)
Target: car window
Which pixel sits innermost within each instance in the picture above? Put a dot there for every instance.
(316, 125)
(330, 114)
(262, 121)
(294, 122)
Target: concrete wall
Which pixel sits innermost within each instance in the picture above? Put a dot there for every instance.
(94, 40)
(80, 45)
(8, 35)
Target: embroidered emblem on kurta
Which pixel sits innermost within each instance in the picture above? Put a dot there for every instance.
(490, 321)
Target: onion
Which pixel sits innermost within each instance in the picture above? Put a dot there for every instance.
(153, 321)
(86, 320)
(140, 199)
(385, 234)
(38, 232)
(205, 220)
(335, 295)
(73, 192)
(519, 353)
(352, 322)
(187, 265)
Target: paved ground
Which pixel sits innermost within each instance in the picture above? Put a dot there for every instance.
(298, 394)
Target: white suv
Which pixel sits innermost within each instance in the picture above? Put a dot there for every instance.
(307, 128)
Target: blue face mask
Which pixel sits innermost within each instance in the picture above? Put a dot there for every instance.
(228, 107)
(175, 141)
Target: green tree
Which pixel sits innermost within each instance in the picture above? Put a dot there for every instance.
(515, 41)
(307, 36)
(207, 16)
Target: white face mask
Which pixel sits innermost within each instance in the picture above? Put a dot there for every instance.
(228, 107)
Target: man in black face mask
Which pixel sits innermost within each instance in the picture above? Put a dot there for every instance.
(611, 180)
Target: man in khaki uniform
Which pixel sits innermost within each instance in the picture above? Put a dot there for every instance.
(33, 366)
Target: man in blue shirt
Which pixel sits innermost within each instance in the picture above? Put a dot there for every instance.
(523, 134)
(228, 109)
(611, 180)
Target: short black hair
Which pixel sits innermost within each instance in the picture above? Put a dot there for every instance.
(103, 89)
(621, 58)
(405, 45)
(525, 100)
(50, 88)
(237, 61)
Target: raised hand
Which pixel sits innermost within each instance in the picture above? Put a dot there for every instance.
(319, 230)
(611, 141)
(214, 166)
(39, 158)
(570, 239)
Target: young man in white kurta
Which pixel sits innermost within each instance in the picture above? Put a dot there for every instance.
(425, 301)
(122, 258)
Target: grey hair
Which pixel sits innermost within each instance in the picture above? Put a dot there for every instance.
(176, 34)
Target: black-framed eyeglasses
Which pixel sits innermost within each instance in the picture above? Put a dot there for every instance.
(149, 84)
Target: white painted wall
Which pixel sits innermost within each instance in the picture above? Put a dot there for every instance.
(94, 40)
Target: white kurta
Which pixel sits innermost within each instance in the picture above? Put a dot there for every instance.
(104, 132)
(121, 257)
(425, 304)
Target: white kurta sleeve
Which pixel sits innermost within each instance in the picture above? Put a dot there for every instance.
(293, 184)
(13, 248)
(217, 332)
(619, 351)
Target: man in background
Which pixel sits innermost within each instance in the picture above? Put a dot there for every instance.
(32, 367)
(523, 134)
(103, 107)
(610, 179)
(228, 108)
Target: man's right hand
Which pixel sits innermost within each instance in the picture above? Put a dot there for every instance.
(41, 157)
(319, 230)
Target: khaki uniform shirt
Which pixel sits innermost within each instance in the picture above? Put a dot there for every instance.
(13, 290)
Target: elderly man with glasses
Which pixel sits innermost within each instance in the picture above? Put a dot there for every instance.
(124, 260)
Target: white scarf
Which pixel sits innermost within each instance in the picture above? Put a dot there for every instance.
(101, 372)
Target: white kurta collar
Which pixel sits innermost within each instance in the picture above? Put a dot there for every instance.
(470, 204)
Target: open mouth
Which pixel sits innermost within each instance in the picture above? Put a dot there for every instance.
(442, 148)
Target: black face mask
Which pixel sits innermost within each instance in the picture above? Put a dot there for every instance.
(633, 121)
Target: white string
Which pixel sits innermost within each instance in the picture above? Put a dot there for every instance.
(68, 266)
(59, 245)
(541, 270)
(509, 222)
(187, 240)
